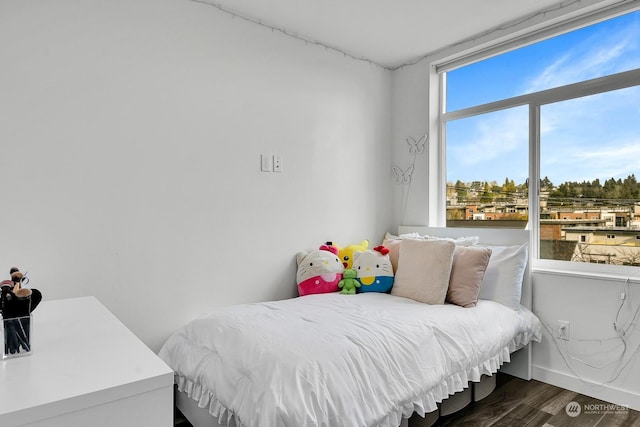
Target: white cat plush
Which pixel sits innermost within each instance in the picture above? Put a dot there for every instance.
(374, 269)
(319, 271)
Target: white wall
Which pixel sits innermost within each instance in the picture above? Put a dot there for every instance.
(593, 361)
(410, 106)
(590, 305)
(131, 134)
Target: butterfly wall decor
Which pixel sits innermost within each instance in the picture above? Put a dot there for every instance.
(417, 147)
(402, 176)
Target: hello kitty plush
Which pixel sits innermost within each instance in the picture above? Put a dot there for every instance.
(319, 271)
(375, 272)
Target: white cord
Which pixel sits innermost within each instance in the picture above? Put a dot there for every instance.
(623, 334)
(623, 298)
(564, 353)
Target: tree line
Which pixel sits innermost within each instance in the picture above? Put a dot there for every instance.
(611, 189)
(627, 189)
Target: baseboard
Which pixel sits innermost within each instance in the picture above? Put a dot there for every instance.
(588, 388)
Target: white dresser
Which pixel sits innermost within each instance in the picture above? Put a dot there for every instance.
(86, 369)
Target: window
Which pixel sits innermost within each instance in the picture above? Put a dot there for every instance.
(488, 142)
(572, 103)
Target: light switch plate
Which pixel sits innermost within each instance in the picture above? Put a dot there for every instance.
(266, 163)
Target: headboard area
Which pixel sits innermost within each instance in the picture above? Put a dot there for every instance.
(488, 236)
(520, 365)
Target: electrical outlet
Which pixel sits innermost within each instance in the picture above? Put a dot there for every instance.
(564, 330)
(277, 163)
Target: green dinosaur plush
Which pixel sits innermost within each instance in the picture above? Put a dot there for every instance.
(349, 283)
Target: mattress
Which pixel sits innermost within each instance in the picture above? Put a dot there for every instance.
(329, 359)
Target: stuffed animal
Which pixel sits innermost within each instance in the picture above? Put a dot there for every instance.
(375, 272)
(319, 271)
(329, 246)
(346, 254)
(349, 283)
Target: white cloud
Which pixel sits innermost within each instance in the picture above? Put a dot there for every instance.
(591, 137)
(600, 54)
(492, 147)
(618, 160)
(582, 139)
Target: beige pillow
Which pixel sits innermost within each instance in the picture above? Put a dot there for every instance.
(467, 273)
(424, 267)
(392, 243)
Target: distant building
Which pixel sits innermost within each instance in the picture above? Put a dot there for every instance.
(605, 245)
(581, 231)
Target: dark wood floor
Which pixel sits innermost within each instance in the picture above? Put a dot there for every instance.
(516, 402)
(520, 403)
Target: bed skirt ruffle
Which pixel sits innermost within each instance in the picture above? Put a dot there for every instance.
(421, 405)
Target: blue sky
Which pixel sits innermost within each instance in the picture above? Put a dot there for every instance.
(583, 139)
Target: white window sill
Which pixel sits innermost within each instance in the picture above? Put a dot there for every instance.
(618, 273)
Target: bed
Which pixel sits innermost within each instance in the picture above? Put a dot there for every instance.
(370, 359)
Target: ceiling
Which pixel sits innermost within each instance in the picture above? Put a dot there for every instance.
(387, 32)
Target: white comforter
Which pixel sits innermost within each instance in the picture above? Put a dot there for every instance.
(340, 360)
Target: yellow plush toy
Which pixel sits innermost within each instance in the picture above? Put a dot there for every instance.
(346, 254)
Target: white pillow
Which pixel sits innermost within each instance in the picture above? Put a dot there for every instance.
(459, 241)
(503, 278)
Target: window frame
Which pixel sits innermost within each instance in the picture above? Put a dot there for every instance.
(438, 117)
